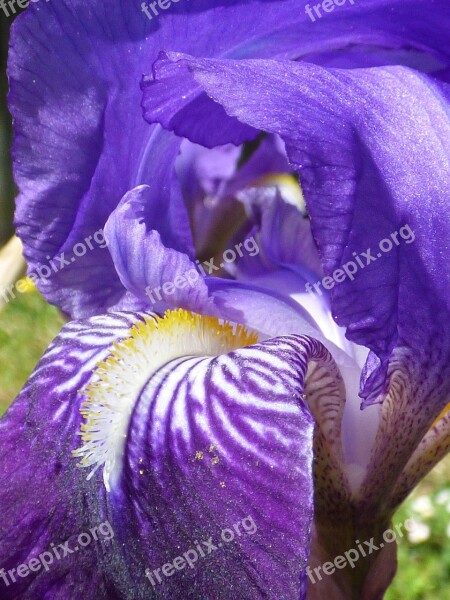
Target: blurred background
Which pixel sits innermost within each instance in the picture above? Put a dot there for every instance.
(28, 324)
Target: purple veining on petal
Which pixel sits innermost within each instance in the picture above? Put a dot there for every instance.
(209, 443)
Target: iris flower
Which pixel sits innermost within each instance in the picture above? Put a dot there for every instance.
(174, 405)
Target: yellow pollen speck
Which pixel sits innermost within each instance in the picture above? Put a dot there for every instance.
(211, 448)
(215, 460)
(222, 484)
(199, 455)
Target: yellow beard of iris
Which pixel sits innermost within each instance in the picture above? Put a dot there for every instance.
(117, 381)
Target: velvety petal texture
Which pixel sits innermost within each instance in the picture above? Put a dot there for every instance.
(223, 450)
(216, 449)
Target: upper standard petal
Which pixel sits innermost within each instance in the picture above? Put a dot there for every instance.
(80, 142)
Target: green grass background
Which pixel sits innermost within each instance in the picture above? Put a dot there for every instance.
(28, 324)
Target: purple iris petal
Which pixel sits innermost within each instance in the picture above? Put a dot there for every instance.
(211, 180)
(373, 56)
(80, 141)
(44, 497)
(196, 114)
(277, 224)
(157, 275)
(351, 144)
(349, 134)
(217, 453)
(81, 144)
(145, 257)
(213, 444)
(268, 158)
(203, 174)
